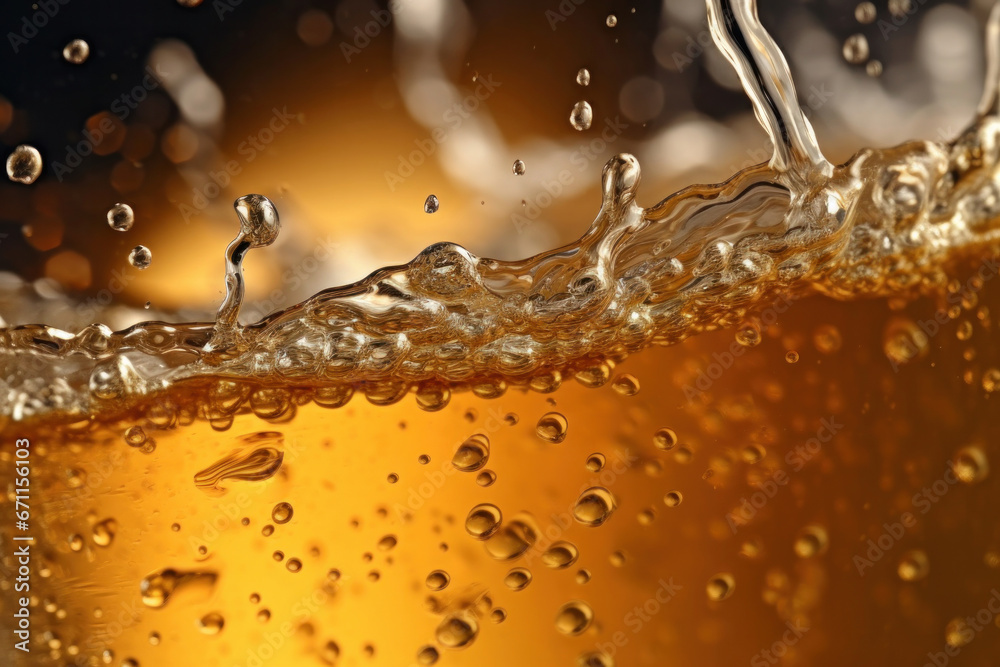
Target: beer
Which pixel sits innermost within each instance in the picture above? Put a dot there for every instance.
(749, 423)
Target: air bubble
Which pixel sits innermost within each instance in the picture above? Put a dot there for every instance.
(594, 506)
(120, 217)
(611, 21)
(583, 77)
(212, 623)
(552, 427)
(24, 165)
(140, 257)
(971, 465)
(483, 521)
(913, 565)
(518, 168)
(720, 587)
(472, 454)
(560, 555)
(856, 49)
(431, 204)
(438, 580)
(574, 617)
(582, 116)
(517, 579)
(282, 513)
(865, 12)
(457, 630)
(626, 385)
(76, 52)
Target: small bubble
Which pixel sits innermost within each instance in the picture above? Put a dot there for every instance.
(278, 556)
(472, 454)
(594, 506)
(874, 68)
(617, 559)
(595, 462)
(104, 532)
(748, 335)
(856, 49)
(431, 204)
(498, 615)
(827, 339)
(140, 257)
(581, 116)
(392, 478)
(387, 543)
(673, 498)
(792, 356)
(120, 217)
(958, 633)
(264, 615)
(135, 436)
(293, 565)
(154, 638)
(611, 21)
(720, 587)
(583, 576)
(517, 579)
(24, 165)
(76, 52)
(423, 459)
(282, 513)
(991, 380)
(427, 655)
(483, 521)
(552, 427)
(811, 541)
(971, 465)
(211, 624)
(457, 630)
(574, 617)
(665, 439)
(913, 565)
(583, 77)
(438, 580)
(626, 385)
(560, 555)
(518, 167)
(75, 542)
(267, 530)
(254, 598)
(900, 8)
(486, 478)
(865, 12)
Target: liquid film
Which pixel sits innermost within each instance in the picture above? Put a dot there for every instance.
(889, 222)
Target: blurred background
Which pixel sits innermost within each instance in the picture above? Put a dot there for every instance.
(349, 113)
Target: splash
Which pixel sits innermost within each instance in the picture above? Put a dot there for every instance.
(887, 222)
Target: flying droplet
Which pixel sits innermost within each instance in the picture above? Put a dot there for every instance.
(856, 49)
(552, 427)
(583, 77)
(720, 587)
(483, 521)
(282, 513)
(472, 454)
(594, 506)
(24, 165)
(611, 21)
(431, 204)
(140, 257)
(581, 116)
(120, 217)
(518, 167)
(457, 631)
(76, 52)
(574, 617)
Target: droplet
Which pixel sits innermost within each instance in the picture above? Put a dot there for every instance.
(517, 579)
(457, 630)
(24, 165)
(626, 385)
(574, 617)
(611, 21)
(483, 521)
(486, 478)
(140, 257)
(135, 436)
(720, 587)
(472, 454)
(560, 555)
(518, 167)
(581, 116)
(104, 532)
(282, 513)
(512, 540)
(76, 52)
(293, 565)
(792, 357)
(552, 427)
(856, 49)
(811, 541)
(865, 12)
(595, 462)
(438, 580)
(672, 498)
(594, 506)
(259, 222)
(431, 204)
(971, 465)
(874, 68)
(212, 623)
(583, 576)
(583, 77)
(913, 565)
(120, 217)
(498, 615)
